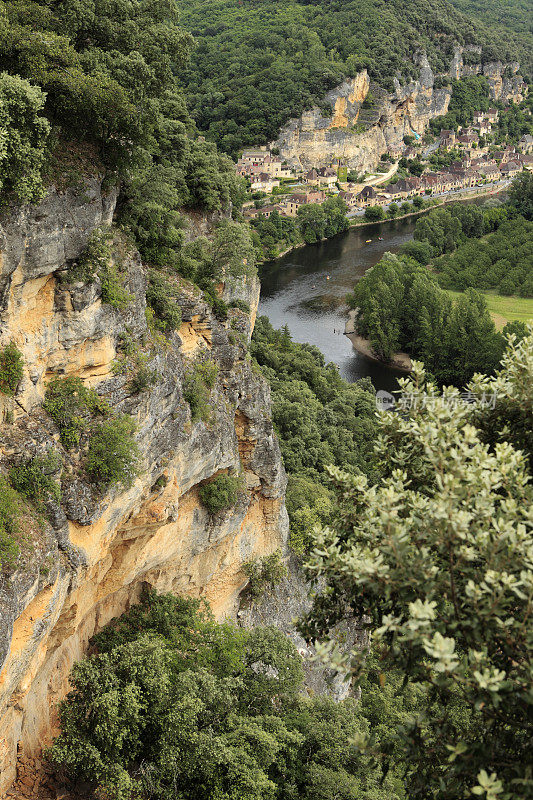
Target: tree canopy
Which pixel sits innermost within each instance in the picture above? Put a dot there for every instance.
(257, 64)
(435, 556)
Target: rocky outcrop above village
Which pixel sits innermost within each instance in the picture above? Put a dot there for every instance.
(366, 122)
(91, 554)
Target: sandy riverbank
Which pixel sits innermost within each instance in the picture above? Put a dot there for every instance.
(400, 361)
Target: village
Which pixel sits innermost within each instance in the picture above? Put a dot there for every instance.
(476, 163)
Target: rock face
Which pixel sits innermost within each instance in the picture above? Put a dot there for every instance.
(290, 600)
(366, 121)
(91, 558)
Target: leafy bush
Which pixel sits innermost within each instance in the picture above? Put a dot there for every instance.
(161, 296)
(264, 573)
(196, 387)
(10, 511)
(11, 363)
(220, 493)
(174, 704)
(72, 405)
(374, 213)
(97, 261)
(33, 478)
(23, 137)
(113, 455)
(142, 379)
(241, 305)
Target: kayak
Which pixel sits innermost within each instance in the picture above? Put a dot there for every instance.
(368, 241)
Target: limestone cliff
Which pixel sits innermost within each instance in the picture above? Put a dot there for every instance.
(90, 558)
(366, 122)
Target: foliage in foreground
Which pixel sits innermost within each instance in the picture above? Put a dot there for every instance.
(437, 555)
(174, 705)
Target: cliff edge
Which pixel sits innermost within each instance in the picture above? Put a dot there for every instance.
(88, 556)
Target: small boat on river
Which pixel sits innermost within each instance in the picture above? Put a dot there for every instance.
(368, 241)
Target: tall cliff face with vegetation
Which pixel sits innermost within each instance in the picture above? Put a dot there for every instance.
(88, 543)
(259, 65)
(359, 121)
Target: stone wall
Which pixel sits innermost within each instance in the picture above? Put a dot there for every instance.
(91, 558)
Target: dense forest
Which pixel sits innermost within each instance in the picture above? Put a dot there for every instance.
(216, 712)
(320, 419)
(257, 64)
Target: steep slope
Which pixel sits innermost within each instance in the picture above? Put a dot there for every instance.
(257, 64)
(363, 121)
(93, 551)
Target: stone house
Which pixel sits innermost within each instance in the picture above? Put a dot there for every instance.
(327, 177)
(311, 177)
(525, 144)
(350, 198)
(265, 211)
(510, 168)
(490, 172)
(366, 197)
(263, 183)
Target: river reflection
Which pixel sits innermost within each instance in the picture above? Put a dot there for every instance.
(296, 291)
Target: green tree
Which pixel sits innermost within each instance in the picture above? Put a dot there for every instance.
(435, 558)
(23, 138)
(521, 195)
(173, 704)
(374, 213)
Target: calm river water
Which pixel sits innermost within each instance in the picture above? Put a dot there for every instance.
(295, 291)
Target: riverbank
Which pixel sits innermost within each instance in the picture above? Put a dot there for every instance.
(399, 361)
(354, 223)
(441, 202)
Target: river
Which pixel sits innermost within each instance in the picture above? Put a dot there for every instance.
(295, 291)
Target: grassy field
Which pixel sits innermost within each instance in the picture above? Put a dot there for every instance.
(506, 309)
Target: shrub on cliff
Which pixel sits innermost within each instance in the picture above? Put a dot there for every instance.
(72, 405)
(10, 512)
(221, 493)
(34, 479)
(98, 261)
(23, 137)
(197, 387)
(11, 363)
(161, 296)
(113, 455)
(264, 573)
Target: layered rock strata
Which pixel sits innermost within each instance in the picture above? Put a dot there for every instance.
(90, 557)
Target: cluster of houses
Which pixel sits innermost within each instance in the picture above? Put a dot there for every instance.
(476, 166)
(263, 169)
(461, 175)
